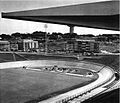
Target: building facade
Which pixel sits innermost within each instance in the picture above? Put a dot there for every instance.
(80, 46)
(4, 45)
(30, 45)
(87, 46)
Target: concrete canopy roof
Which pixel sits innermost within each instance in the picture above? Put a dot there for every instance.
(103, 15)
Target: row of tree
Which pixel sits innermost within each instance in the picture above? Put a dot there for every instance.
(56, 36)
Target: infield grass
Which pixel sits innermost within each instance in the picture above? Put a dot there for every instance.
(21, 85)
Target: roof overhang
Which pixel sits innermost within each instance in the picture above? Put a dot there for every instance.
(104, 15)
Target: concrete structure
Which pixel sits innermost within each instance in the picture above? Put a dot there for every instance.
(74, 46)
(81, 46)
(104, 15)
(71, 28)
(87, 45)
(30, 45)
(4, 45)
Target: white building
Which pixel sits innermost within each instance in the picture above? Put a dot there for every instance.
(30, 45)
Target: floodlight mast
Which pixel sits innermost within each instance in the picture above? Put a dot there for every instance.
(46, 48)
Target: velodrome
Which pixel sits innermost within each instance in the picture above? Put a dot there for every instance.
(94, 85)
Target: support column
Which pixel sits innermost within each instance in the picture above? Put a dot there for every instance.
(71, 29)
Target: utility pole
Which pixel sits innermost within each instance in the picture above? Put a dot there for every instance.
(46, 48)
(14, 58)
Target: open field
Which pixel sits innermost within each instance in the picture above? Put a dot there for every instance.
(6, 57)
(21, 85)
(48, 57)
(108, 60)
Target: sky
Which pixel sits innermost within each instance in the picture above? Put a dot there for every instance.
(9, 26)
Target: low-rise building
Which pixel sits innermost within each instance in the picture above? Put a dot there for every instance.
(4, 45)
(87, 45)
(80, 46)
(13, 46)
(75, 46)
(30, 45)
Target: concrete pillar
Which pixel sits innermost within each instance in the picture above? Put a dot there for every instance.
(71, 29)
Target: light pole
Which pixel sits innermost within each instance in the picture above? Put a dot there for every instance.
(14, 58)
(46, 48)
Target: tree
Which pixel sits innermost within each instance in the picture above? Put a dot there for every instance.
(5, 37)
(54, 36)
(69, 36)
(38, 35)
(16, 35)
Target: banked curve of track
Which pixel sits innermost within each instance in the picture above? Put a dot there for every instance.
(106, 76)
